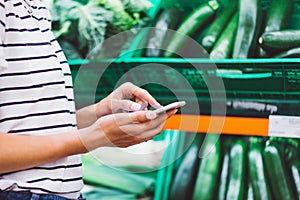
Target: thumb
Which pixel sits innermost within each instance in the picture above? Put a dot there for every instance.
(142, 116)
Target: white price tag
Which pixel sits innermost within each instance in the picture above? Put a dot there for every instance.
(284, 126)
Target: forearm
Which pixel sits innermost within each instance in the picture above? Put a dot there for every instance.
(20, 152)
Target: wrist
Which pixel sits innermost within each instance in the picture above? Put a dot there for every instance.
(70, 144)
(91, 138)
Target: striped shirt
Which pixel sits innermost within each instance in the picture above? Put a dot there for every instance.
(36, 96)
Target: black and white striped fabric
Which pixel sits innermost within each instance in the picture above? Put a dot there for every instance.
(36, 96)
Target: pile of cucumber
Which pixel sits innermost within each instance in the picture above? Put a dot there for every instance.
(232, 167)
(239, 29)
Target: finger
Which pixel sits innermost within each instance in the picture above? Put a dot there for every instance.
(142, 102)
(142, 116)
(143, 94)
(126, 105)
(150, 133)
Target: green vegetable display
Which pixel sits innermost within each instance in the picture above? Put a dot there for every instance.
(257, 171)
(277, 41)
(291, 53)
(218, 26)
(224, 175)
(224, 45)
(223, 168)
(237, 171)
(87, 24)
(208, 171)
(249, 23)
(159, 35)
(117, 179)
(277, 171)
(192, 24)
(278, 16)
(184, 180)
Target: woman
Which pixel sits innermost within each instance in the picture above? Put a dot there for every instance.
(41, 135)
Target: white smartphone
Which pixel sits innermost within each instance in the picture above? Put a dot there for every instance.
(169, 107)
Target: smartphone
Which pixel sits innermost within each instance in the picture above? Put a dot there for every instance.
(169, 107)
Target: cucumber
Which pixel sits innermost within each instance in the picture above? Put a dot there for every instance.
(257, 175)
(224, 45)
(249, 24)
(278, 16)
(291, 53)
(117, 179)
(280, 40)
(295, 169)
(218, 26)
(237, 171)
(224, 175)
(191, 26)
(182, 186)
(250, 195)
(158, 35)
(224, 178)
(292, 156)
(276, 171)
(209, 168)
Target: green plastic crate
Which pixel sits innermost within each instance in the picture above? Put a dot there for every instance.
(269, 81)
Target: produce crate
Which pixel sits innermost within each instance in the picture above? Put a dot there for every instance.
(270, 82)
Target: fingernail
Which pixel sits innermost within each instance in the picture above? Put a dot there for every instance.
(135, 106)
(150, 115)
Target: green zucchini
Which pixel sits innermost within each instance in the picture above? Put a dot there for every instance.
(250, 194)
(224, 45)
(295, 170)
(117, 179)
(191, 26)
(276, 170)
(249, 24)
(280, 40)
(292, 156)
(209, 168)
(218, 26)
(158, 35)
(223, 183)
(257, 175)
(182, 186)
(278, 16)
(291, 53)
(237, 171)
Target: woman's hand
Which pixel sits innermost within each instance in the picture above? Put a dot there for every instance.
(126, 98)
(123, 129)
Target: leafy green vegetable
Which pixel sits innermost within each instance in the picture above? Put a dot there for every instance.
(135, 6)
(86, 24)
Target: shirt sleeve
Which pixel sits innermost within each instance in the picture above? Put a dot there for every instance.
(3, 63)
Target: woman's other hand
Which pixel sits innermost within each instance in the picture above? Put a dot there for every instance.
(126, 98)
(123, 129)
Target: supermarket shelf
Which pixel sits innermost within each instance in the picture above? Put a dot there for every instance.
(263, 80)
(254, 61)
